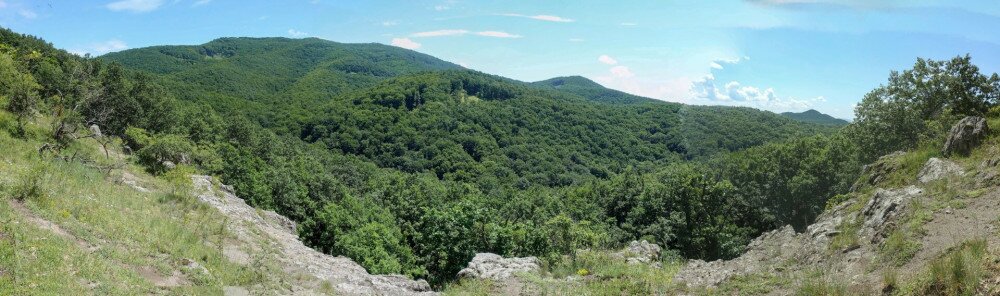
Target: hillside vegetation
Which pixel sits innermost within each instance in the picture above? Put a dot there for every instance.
(409, 165)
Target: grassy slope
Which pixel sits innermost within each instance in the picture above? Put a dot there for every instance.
(77, 232)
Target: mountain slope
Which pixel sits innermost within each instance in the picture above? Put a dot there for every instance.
(813, 116)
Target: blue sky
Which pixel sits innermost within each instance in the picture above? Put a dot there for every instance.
(778, 55)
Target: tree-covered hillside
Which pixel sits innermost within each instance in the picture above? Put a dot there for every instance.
(813, 116)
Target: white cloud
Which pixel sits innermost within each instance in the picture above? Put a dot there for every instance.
(542, 17)
(715, 65)
(498, 34)
(622, 72)
(735, 94)
(135, 5)
(389, 23)
(28, 14)
(442, 7)
(628, 24)
(201, 2)
(440, 33)
(405, 43)
(576, 40)
(607, 59)
(297, 34)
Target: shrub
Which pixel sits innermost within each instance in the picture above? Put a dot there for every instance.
(32, 185)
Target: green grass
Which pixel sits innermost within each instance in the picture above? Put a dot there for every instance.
(111, 231)
(958, 272)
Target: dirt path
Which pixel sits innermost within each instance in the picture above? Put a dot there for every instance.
(950, 227)
(42, 223)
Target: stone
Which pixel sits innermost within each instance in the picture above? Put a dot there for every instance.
(882, 210)
(640, 252)
(495, 267)
(965, 135)
(937, 169)
(96, 130)
(169, 164)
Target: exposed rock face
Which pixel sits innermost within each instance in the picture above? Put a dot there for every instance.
(494, 267)
(936, 169)
(876, 172)
(882, 210)
(965, 135)
(640, 252)
(771, 252)
(344, 275)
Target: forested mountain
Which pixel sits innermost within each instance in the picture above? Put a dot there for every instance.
(411, 165)
(813, 116)
(589, 89)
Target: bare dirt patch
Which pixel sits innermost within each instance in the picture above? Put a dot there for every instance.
(175, 279)
(42, 223)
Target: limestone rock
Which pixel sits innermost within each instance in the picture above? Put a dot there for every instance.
(640, 252)
(882, 210)
(936, 169)
(494, 267)
(965, 135)
(96, 130)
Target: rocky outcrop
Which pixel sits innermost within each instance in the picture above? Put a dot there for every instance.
(876, 172)
(494, 267)
(883, 209)
(260, 230)
(965, 135)
(937, 169)
(640, 252)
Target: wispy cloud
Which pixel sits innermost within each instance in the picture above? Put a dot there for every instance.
(201, 2)
(607, 59)
(441, 7)
(857, 4)
(542, 17)
(577, 40)
(297, 34)
(135, 5)
(452, 32)
(498, 34)
(440, 33)
(405, 43)
(389, 23)
(28, 14)
(628, 24)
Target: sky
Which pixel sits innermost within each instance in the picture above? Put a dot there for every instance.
(776, 55)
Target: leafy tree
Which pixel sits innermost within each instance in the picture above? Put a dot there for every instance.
(19, 90)
(895, 116)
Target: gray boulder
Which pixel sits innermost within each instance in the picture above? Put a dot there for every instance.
(640, 252)
(96, 130)
(494, 267)
(936, 169)
(965, 135)
(883, 208)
